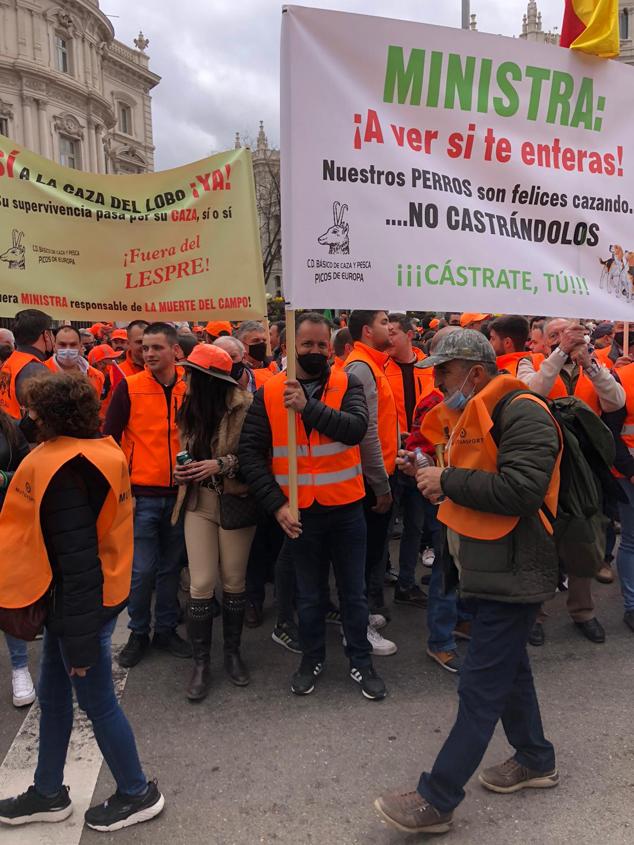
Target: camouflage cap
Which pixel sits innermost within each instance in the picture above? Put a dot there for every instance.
(463, 345)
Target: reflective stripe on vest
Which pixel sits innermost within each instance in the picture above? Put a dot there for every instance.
(584, 389)
(150, 439)
(473, 447)
(395, 377)
(328, 472)
(9, 373)
(25, 570)
(387, 413)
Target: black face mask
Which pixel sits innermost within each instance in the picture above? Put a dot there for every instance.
(257, 351)
(619, 337)
(237, 371)
(5, 352)
(313, 363)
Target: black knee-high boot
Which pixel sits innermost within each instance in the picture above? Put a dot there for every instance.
(199, 626)
(233, 607)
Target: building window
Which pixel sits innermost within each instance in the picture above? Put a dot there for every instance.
(4, 125)
(624, 24)
(125, 119)
(69, 152)
(62, 53)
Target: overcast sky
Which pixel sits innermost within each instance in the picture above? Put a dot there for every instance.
(219, 59)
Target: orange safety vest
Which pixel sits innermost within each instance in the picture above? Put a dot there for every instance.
(387, 412)
(128, 367)
(328, 472)
(9, 373)
(510, 362)
(94, 376)
(395, 377)
(338, 363)
(150, 440)
(584, 389)
(25, 569)
(603, 357)
(626, 377)
(262, 375)
(471, 446)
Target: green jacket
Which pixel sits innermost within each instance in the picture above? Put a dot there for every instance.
(523, 566)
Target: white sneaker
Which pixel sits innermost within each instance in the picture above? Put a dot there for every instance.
(23, 689)
(428, 557)
(380, 646)
(377, 621)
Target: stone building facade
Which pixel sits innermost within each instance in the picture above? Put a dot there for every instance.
(266, 172)
(70, 91)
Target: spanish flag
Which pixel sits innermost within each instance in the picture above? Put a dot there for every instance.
(591, 26)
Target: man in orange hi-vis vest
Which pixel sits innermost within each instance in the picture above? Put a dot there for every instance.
(34, 342)
(499, 486)
(331, 419)
(570, 370)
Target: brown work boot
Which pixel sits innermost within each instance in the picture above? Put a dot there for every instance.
(409, 812)
(462, 631)
(511, 777)
(605, 575)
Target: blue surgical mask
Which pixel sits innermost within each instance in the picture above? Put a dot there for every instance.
(458, 400)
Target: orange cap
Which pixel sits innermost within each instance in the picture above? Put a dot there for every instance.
(119, 334)
(211, 360)
(433, 324)
(216, 327)
(103, 352)
(198, 330)
(466, 319)
(97, 329)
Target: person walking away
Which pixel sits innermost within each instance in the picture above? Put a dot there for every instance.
(496, 491)
(508, 336)
(13, 449)
(367, 362)
(34, 341)
(342, 345)
(210, 421)
(570, 370)
(331, 421)
(142, 418)
(67, 358)
(71, 539)
(408, 385)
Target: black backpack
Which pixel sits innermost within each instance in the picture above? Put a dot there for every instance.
(586, 481)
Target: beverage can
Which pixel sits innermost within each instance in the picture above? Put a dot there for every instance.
(183, 458)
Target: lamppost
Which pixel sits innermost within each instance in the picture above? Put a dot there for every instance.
(466, 14)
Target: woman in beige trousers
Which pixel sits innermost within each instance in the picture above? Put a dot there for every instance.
(210, 422)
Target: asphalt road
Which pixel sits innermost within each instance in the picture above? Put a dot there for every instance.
(259, 765)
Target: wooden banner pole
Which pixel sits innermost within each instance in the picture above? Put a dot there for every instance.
(291, 372)
(267, 329)
(626, 338)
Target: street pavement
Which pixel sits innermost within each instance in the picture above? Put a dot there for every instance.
(259, 765)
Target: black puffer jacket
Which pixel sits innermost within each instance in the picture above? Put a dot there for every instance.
(348, 426)
(12, 453)
(523, 566)
(68, 515)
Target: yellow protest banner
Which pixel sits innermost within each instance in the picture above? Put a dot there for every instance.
(182, 244)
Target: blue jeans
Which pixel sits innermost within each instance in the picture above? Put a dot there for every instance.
(337, 535)
(159, 553)
(413, 506)
(96, 696)
(625, 556)
(496, 683)
(17, 652)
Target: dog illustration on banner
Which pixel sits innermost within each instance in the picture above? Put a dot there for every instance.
(617, 275)
(336, 237)
(15, 256)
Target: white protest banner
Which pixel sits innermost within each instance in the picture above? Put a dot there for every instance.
(441, 169)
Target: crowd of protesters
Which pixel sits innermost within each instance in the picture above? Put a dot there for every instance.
(163, 469)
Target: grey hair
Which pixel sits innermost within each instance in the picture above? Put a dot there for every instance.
(227, 340)
(8, 336)
(247, 327)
